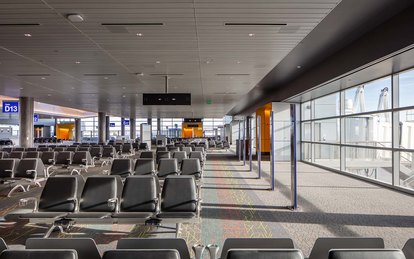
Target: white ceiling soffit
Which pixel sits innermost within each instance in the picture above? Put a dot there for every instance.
(53, 110)
(105, 62)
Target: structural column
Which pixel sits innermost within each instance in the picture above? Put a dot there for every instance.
(107, 132)
(101, 127)
(158, 126)
(78, 130)
(133, 128)
(123, 127)
(149, 122)
(26, 114)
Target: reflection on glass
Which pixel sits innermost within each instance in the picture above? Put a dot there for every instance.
(306, 111)
(373, 96)
(306, 152)
(327, 131)
(406, 174)
(369, 130)
(406, 81)
(327, 106)
(327, 155)
(371, 163)
(406, 129)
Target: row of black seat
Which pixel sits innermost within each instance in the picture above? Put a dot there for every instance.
(233, 248)
(166, 166)
(66, 200)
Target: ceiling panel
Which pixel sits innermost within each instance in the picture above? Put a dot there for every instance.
(98, 67)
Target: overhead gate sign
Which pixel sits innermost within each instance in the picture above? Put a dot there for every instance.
(10, 107)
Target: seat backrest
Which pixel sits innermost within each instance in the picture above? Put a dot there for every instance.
(142, 254)
(96, 151)
(7, 167)
(366, 254)
(3, 245)
(147, 154)
(255, 243)
(179, 155)
(72, 148)
(408, 249)
(84, 148)
(29, 168)
(201, 149)
(126, 148)
(85, 247)
(16, 154)
(167, 166)
(108, 187)
(173, 149)
(322, 246)
(190, 166)
(31, 149)
(118, 147)
(187, 150)
(174, 199)
(59, 194)
(197, 154)
(32, 154)
(7, 149)
(139, 194)
(59, 149)
(144, 166)
(19, 149)
(143, 146)
(151, 243)
(264, 254)
(161, 149)
(163, 154)
(121, 166)
(64, 158)
(81, 158)
(48, 157)
(108, 151)
(39, 254)
(3, 154)
(44, 149)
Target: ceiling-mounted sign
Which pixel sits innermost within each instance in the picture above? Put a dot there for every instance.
(10, 107)
(36, 118)
(112, 124)
(126, 122)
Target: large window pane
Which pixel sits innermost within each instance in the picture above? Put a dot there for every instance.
(373, 96)
(327, 155)
(327, 106)
(306, 131)
(371, 163)
(306, 152)
(327, 131)
(407, 170)
(369, 130)
(406, 82)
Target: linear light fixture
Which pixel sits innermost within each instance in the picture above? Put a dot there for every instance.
(19, 24)
(33, 74)
(253, 24)
(232, 74)
(134, 24)
(99, 74)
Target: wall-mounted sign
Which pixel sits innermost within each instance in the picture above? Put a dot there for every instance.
(36, 117)
(126, 122)
(112, 124)
(10, 107)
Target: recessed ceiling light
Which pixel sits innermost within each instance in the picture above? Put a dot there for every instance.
(21, 88)
(73, 88)
(43, 78)
(75, 17)
(124, 87)
(28, 35)
(77, 62)
(251, 34)
(49, 94)
(105, 77)
(157, 61)
(238, 62)
(123, 96)
(299, 67)
(107, 100)
(140, 34)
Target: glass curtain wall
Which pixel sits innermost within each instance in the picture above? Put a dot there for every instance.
(366, 130)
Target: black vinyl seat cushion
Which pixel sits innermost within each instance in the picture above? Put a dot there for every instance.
(408, 249)
(7, 167)
(29, 168)
(85, 247)
(264, 254)
(178, 244)
(142, 254)
(39, 254)
(366, 254)
(122, 167)
(320, 249)
(139, 194)
(255, 243)
(144, 166)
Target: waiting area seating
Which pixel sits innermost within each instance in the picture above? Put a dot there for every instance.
(233, 248)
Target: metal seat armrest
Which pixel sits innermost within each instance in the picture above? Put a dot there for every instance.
(23, 202)
(113, 202)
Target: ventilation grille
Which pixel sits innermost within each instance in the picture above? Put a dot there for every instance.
(121, 27)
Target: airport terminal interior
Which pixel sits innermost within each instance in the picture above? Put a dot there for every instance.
(232, 129)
